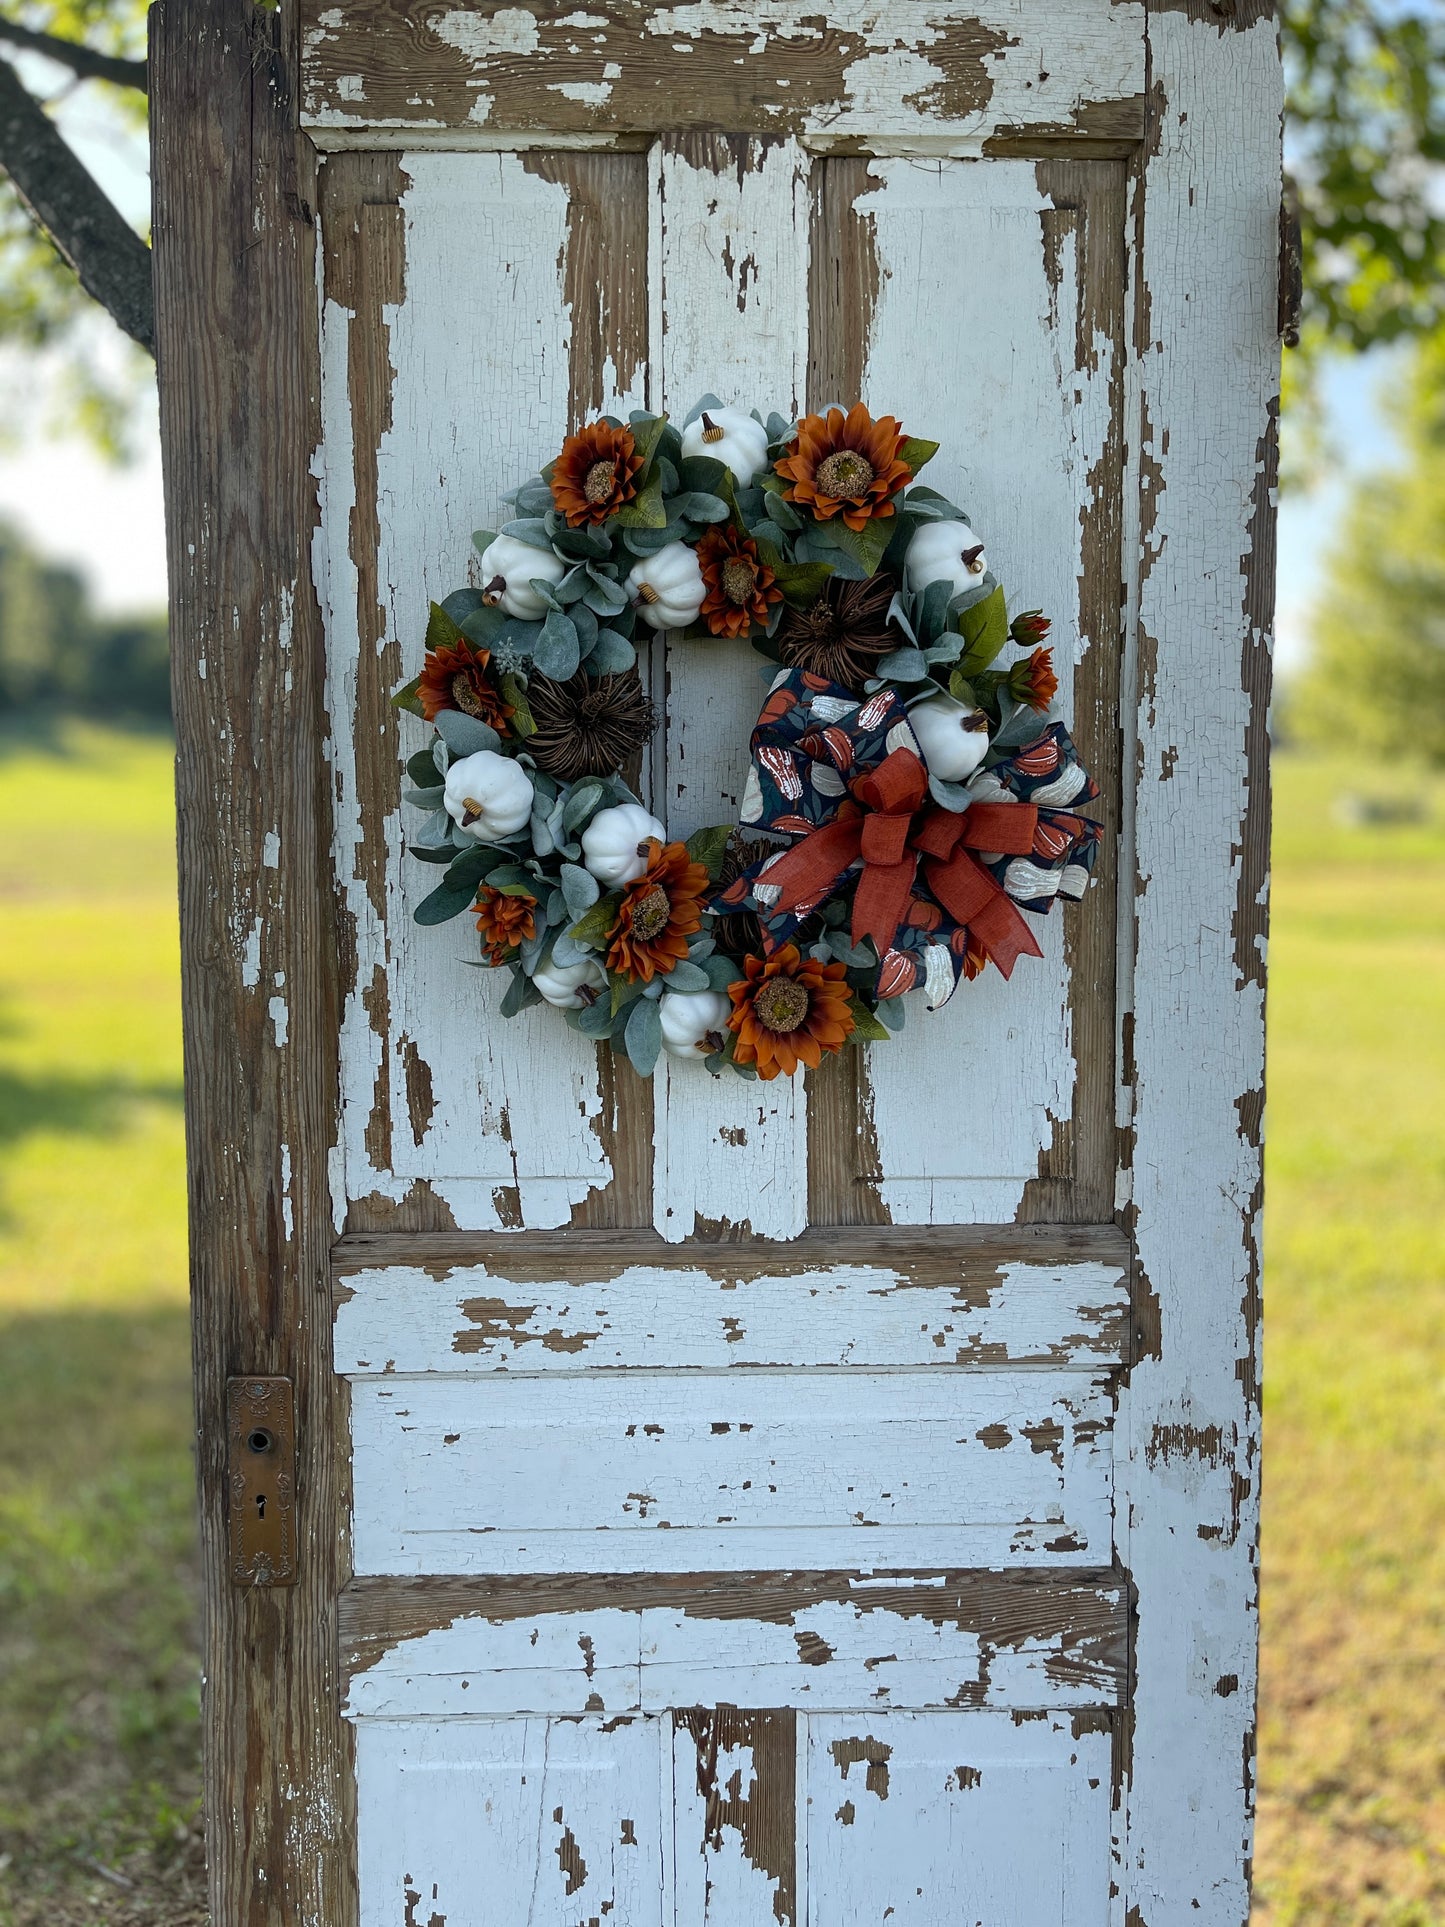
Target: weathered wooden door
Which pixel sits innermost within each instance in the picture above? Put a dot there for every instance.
(821, 1502)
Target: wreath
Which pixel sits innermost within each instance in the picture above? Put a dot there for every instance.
(911, 792)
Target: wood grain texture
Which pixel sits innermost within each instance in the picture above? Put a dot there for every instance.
(914, 70)
(805, 1639)
(730, 305)
(237, 354)
(1188, 1444)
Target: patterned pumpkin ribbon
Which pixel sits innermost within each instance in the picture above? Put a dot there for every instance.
(846, 779)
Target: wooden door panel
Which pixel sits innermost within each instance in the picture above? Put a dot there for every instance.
(673, 1472)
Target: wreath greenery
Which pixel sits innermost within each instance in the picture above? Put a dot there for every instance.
(910, 792)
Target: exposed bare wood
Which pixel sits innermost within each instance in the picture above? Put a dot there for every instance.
(935, 1252)
(87, 230)
(236, 328)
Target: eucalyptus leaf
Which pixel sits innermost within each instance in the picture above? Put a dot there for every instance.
(422, 769)
(697, 506)
(583, 801)
(557, 651)
(532, 498)
(435, 838)
(432, 799)
(949, 796)
(520, 993)
(685, 977)
(484, 624)
(595, 1020)
(704, 401)
(904, 665)
(453, 894)
(566, 951)
(782, 512)
(605, 594)
(722, 971)
(892, 1013)
(611, 654)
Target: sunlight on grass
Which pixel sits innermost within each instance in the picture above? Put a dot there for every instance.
(98, 1757)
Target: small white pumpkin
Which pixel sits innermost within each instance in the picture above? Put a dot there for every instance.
(488, 795)
(728, 435)
(945, 552)
(509, 568)
(614, 844)
(953, 738)
(668, 587)
(690, 1018)
(565, 986)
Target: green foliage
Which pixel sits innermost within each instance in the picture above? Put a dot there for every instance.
(1365, 125)
(1376, 678)
(56, 653)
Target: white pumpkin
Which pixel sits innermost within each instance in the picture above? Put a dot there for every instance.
(728, 435)
(565, 986)
(952, 737)
(509, 568)
(945, 552)
(488, 795)
(668, 587)
(689, 1018)
(614, 844)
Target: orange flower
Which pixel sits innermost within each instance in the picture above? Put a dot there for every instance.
(1033, 681)
(740, 586)
(504, 921)
(789, 1011)
(657, 915)
(845, 465)
(596, 473)
(457, 676)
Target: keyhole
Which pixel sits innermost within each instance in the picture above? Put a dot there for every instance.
(260, 1505)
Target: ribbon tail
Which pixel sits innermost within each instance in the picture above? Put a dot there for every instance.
(881, 901)
(971, 897)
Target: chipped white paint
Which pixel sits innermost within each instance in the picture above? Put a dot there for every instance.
(829, 1655)
(966, 1817)
(475, 1319)
(995, 379)
(1188, 1442)
(914, 1818)
(674, 1472)
(729, 309)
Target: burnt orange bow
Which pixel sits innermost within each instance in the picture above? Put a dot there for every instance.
(894, 834)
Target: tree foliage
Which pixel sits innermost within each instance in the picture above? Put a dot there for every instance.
(56, 652)
(1376, 675)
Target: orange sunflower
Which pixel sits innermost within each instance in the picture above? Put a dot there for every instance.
(845, 465)
(596, 473)
(657, 915)
(504, 921)
(740, 586)
(788, 1011)
(457, 676)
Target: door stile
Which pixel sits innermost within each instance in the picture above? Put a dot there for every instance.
(238, 353)
(1187, 1442)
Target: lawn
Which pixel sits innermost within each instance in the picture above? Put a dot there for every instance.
(98, 1754)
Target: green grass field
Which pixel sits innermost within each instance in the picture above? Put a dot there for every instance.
(98, 1754)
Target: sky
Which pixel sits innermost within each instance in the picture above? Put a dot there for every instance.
(107, 521)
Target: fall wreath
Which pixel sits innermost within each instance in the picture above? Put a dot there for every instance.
(910, 793)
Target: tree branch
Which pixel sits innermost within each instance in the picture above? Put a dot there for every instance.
(88, 231)
(84, 62)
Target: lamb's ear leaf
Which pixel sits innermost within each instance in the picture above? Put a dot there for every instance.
(707, 847)
(643, 1035)
(685, 977)
(521, 992)
(464, 735)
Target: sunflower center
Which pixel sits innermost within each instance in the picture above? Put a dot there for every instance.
(739, 578)
(845, 472)
(781, 1005)
(600, 481)
(464, 694)
(649, 914)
